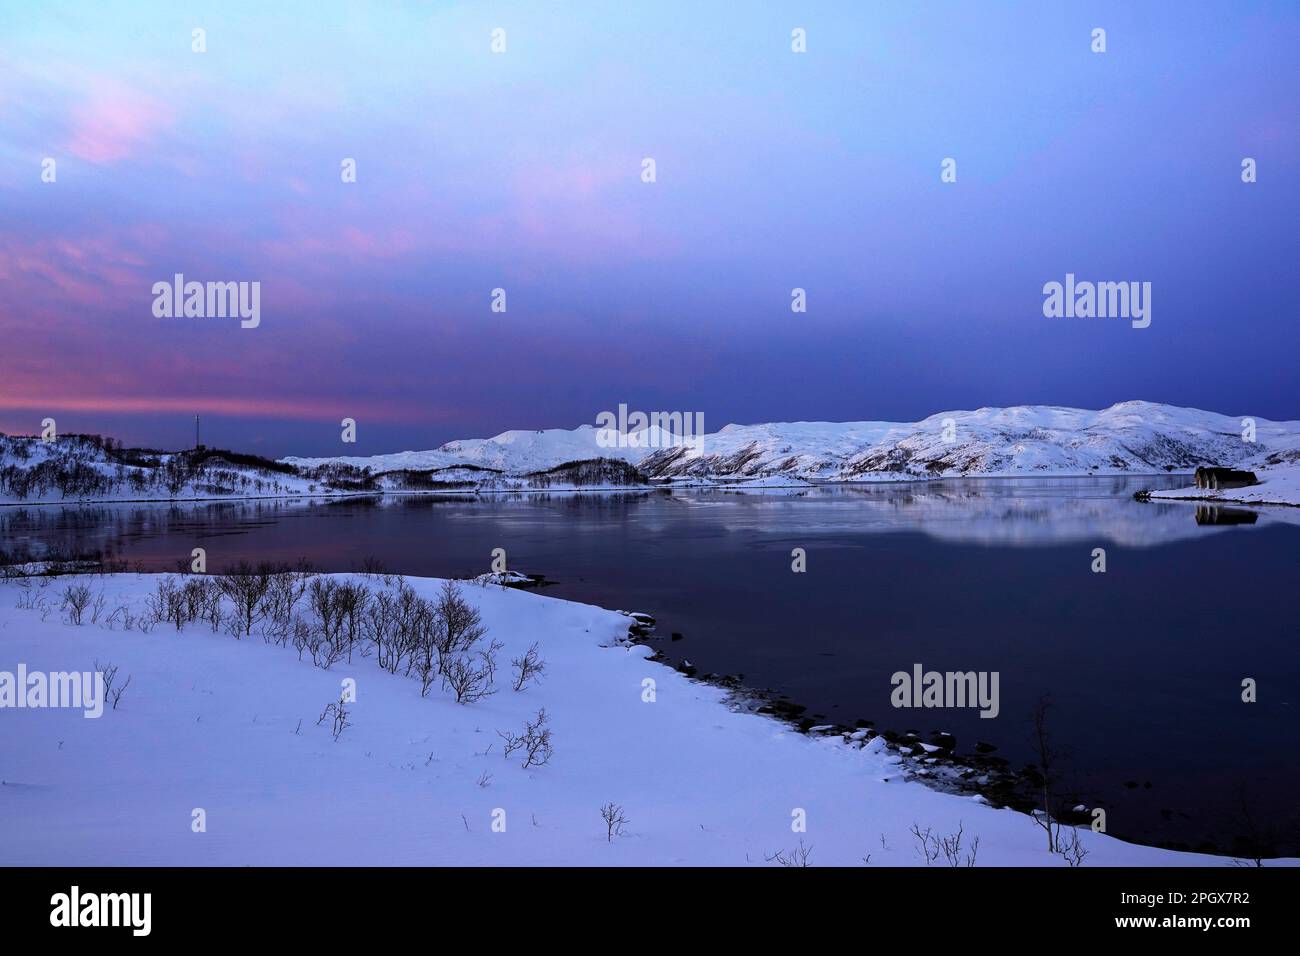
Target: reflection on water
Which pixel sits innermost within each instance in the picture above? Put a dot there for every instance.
(1145, 661)
(1008, 512)
(1213, 514)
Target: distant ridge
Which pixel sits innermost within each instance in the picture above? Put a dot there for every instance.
(1132, 437)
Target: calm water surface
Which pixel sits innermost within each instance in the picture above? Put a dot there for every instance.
(1144, 662)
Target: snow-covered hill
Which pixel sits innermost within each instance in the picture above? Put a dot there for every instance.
(1128, 438)
(514, 452)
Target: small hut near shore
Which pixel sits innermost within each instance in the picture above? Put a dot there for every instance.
(1216, 479)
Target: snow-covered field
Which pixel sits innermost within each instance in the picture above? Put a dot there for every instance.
(229, 727)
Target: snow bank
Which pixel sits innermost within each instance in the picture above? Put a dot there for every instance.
(229, 727)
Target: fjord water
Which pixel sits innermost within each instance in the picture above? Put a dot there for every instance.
(1144, 662)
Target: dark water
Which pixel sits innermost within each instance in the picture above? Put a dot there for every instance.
(1144, 662)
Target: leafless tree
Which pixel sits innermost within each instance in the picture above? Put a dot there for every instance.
(1046, 771)
(614, 819)
(286, 590)
(352, 598)
(246, 586)
(459, 625)
(1252, 840)
(379, 625)
(324, 602)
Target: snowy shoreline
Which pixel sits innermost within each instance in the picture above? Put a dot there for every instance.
(228, 726)
(1278, 486)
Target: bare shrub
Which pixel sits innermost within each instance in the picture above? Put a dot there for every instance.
(379, 626)
(799, 857)
(512, 740)
(1071, 847)
(286, 590)
(952, 848)
(535, 741)
(488, 658)
(325, 639)
(527, 668)
(326, 650)
(352, 599)
(118, 691)
(120, 615)
(468, 678)
(927, 844)
(158, 605)
(301, 635)
(112, 690)
(247, 586)
(459, 625)
(372, 567)
(97, 607)
(76, 598)
(339, 717)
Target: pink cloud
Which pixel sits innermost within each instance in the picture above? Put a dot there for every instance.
(81, 271)
(115, 122)
(301, 408)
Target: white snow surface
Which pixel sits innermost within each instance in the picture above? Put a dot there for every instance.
(212, 722)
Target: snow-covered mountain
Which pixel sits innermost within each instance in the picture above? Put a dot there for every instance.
(514, 452)
(1128, 438)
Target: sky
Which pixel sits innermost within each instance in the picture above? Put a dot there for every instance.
(522, 170)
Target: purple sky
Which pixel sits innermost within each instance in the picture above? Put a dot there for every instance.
(522, 170)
